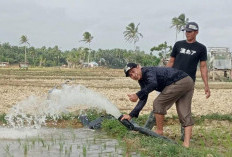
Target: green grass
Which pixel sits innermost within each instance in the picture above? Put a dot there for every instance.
(149, 146)
(208, 140)
(216, 116)
(114, 128)
(2, 118)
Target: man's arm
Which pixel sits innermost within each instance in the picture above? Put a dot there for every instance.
(138, 107)
(204, 75)
(171, 62)
(136, 110)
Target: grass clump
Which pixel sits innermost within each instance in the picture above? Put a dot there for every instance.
(69, 116)
(213, 116)
(93, 114)
(216, 116)
(2, 118)
(114, 127)
(160, 148)
(141, 120)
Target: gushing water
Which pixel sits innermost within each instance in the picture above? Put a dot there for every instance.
(30, 114)
(33, 111)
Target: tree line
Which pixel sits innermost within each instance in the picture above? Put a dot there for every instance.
(113, 58)
(53, 56)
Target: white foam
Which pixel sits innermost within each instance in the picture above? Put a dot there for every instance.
(57, 101)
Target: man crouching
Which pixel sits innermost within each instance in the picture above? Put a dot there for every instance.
(175, 87)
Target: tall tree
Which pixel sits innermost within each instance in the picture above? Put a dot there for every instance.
(183, 21)
(57, 54)
(163, 51)
(24, 40)
(32, 52)
(42, 60)
(179, 22)
(132, 34)
(87, 38)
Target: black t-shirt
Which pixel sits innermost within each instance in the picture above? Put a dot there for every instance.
(187, 56)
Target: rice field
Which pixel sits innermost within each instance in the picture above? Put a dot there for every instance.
(212, 136)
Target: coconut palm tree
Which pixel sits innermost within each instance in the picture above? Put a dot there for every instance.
(183, 21)
(179, 23)
(32, 52)
(42, 60)
(132, 34)
(24, 40)
(87, 38)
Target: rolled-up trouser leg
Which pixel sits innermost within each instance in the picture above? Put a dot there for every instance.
(184, 104)
(183, 107)
(180, 92)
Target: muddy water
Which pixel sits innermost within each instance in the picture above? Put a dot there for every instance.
(54, 142)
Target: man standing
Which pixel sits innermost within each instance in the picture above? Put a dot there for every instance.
(175, 87)
(186, 54)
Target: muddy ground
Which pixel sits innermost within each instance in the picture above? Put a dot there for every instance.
(16, 85)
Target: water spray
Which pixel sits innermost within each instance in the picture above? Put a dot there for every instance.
(66, 99)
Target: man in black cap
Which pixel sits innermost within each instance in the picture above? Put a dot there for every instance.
(185, 56)
(187, 53)
(175, 87)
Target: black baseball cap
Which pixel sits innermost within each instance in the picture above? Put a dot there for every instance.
(128, 67)
(191, 26)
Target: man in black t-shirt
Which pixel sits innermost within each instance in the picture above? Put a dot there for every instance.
(185, 56)
(187, 53)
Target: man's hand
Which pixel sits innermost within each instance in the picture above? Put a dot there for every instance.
(207, 92)
(126, 116)
(204, 75)
(133, 97)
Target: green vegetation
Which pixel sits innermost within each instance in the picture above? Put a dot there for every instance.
(179, 22)
(114, 58)
(87, 38)
(2, 118)
(214, 116)
(163, 51)
(24, 40)
(65, 146)
(114, 128)
(132, 34)
(50, 57)
(93, 114)
(208, 140)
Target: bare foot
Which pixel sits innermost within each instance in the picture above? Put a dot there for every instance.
(186, 145)
(159, 132)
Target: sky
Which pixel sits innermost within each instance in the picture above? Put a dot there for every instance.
(63, 22)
